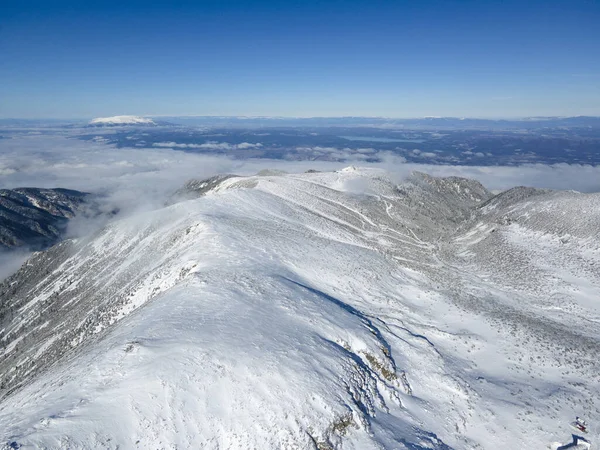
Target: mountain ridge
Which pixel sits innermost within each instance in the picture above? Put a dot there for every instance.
(361, 309)
(37, 218)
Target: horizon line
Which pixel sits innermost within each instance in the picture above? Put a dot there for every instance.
(310, 117)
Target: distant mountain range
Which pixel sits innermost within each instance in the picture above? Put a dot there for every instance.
(119, 121)
(122, 120)
(413, 123)
(528, 123)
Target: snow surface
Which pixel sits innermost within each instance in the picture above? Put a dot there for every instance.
(321, 310)
(122, 120)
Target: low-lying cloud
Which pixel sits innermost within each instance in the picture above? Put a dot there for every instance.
(210, 145)
(146, 175)
(336, 154)
(137, 178)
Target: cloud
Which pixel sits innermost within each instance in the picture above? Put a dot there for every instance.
(244, 145)
(144, 174)
(336, 154)
(422, 154)
(6, 171)
(210, 145)
(477, 154)
(11, 261)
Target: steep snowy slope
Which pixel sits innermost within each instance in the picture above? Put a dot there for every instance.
(321, 310)
(542, 249)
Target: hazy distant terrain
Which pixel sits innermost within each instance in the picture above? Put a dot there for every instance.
(432, 141)
(441, 141)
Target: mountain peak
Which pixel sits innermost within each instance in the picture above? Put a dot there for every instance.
(121, 120)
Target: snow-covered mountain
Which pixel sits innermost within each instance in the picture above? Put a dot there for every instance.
(36, 218)
(116, 121)
(316, 310)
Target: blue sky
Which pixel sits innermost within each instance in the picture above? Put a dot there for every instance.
(300, 58)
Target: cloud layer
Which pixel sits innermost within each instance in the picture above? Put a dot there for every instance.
(211, 145)
(145, 175)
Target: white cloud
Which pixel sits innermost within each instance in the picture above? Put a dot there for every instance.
(244, 145)
(11, 261)
(54, 161)
(211, 145)
(418, 152)
(340, 154)
(6, 171)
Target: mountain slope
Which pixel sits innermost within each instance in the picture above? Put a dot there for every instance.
(324, 310)
(34, 217)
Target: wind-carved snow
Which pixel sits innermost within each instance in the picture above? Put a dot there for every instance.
(321, 310)
(122, 120)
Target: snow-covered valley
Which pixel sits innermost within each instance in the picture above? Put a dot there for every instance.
(315, 310)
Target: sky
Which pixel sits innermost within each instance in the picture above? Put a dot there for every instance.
(509, 58)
